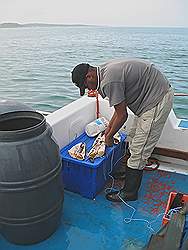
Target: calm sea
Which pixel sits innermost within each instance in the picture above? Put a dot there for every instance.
(35, 63)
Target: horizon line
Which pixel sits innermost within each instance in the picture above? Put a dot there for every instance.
(81, 24)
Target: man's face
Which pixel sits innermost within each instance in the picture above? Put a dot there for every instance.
(91, 80)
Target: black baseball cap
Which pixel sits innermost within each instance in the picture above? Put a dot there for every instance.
(79, 75)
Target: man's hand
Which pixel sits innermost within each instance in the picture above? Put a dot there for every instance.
(119, 117)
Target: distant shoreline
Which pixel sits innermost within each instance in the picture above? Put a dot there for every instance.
(18, 25)
(33, 25)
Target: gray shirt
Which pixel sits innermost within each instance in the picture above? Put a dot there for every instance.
(137, 82)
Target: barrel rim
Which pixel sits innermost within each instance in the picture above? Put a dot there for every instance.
(7, 135)
(17, 114)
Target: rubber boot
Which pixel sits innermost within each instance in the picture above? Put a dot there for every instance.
(120, 172)
(129, 192)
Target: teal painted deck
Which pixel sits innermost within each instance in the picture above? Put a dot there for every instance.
(99, 224)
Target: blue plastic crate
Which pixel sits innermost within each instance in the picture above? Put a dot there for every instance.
(85, 177)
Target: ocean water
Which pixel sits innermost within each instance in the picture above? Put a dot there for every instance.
(35, 63)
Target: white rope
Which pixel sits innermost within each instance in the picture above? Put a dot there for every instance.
(149, 223)
(130, 219)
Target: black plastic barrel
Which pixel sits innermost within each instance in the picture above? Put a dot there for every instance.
(31, 192)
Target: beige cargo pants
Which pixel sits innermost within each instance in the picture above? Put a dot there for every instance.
(146, 130)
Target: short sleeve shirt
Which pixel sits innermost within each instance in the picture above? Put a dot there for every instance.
(137, 82)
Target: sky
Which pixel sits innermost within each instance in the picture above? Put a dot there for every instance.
(97, 12)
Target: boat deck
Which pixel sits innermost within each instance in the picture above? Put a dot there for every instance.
(100, 225)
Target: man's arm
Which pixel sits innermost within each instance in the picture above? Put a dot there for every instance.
(110, 123)
(118, 119)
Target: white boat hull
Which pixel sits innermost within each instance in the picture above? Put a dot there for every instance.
(70, 121)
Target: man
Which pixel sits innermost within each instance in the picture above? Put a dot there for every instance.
(140, 86)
